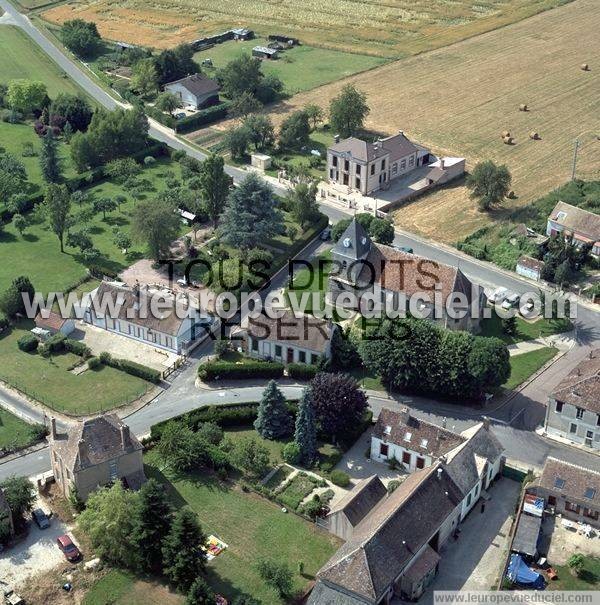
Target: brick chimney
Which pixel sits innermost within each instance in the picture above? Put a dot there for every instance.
(442, 164)
(53, 432)
(404, 415)
(82, 447)
(125, 438)
(486, 423)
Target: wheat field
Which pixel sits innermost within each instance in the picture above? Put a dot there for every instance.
(459, 99)
(386, 28)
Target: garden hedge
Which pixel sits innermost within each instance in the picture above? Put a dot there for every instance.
(131, 367)
(202, 118)
(301, 371)
(229, 370)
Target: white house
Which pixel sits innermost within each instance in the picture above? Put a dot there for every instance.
(155, 317)
(530, 267)
(582, 225)
(289, 339)
(196, 91)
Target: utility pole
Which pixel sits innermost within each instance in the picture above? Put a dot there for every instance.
(575, 159)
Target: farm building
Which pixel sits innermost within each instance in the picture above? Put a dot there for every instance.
(196, 90)
(445, 169)
(530, 267)
(287, 40)
(263, 52)
(574, 222)
(52, 323)
(368, 167)
(242, 33)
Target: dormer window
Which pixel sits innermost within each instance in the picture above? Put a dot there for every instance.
(408, 437)
(387, 430)
(424, 443)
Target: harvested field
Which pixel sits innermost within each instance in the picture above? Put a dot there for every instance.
(387, 28)
(459, 100)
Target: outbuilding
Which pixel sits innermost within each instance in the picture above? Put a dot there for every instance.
(263, 52)
(196, 91)
(53, 323)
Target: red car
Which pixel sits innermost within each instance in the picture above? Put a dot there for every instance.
(69, 549)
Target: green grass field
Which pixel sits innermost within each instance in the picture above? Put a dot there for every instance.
(254, 529)
(299, 68)
(588, 578)
(22, 58)
(526, 330)
(49, 381)
(524, 365)
(14, 432)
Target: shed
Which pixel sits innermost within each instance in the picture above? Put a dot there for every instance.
(263, 52)
(54, 323)
(527, 535)
(186, 217)
(261, 161)
(242, 33)
(530, 267)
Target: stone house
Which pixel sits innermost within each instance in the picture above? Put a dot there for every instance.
(195, 91)
(570, 490)
(530, 267)
(376, 275)
(95, 453)
(573, 410)
(575, 222)
(289, 338)
(367, 167)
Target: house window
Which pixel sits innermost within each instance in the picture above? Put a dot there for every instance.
(357, 168)
(598, 420)
(574, 508)
(372, 169)
(579, 415)
(331, 173)
(469, 500)
(301, 356)
(420, 462)
(314, 359)
(383, 164)
(110, 323)
(277, 350)
(357, 183)
(169, 342)
(406, 458)
(395, 168)
(384, 449)
(112, 469)
(346, 165)
(573, 428)
(477, 491)
(403, 164)
(254, 344)
(592, 514)
(334, 160)
(411, 160)
(559, 407)
(551, 500)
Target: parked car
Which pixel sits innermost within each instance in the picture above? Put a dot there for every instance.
(182, 282)
(180, 115)
(325, 234)
(406, 249)
(497, 296)
(71, 552)
(527, 309)
(41, 518)
(511, 300)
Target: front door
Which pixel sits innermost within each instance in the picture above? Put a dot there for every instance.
(290, 355)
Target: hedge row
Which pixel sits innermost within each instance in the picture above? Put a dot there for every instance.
(220, 370)
(202, 118)
(301, 371)
(131, 367)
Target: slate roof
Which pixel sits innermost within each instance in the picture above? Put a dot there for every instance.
(354, 242)
(580, 483)
(197, 84)
(323, 594)
(466, 462)
(53, 322)
(397, 146)
(527, 535)
(359, 502)
(305, 331)
(102, 439)
(424, 436)
(581, 387)
(426, 561)
(577, 220)
(127, 308)
(386, 540)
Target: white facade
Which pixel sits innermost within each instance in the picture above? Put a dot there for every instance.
(574, 424)
(408, 454)
(284, 351)
(189, 98)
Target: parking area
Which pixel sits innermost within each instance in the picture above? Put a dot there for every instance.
(473, 561)
(37, 554)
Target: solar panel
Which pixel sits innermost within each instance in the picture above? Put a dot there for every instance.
(559, 483)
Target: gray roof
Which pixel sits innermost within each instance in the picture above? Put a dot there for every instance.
(323, 594)
(527, 535)
(582, 222)
(397, 146)
(386, 540)
(354, 242)
(581, 387)
(573, 481)
(197, 84)
(359, 502)
(102, 438)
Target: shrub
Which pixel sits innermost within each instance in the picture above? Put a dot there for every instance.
(56, 343)
(228, 370)
(393, 485)
(135, 369)
(291, 453)
(77, 348)
(340, 478)
(201, 118)
(94, 363)
(105, 357)
(301, 371)
(28, 343)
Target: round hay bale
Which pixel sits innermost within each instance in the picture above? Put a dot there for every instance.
(523, 107)
(505, 133)
(508, 140)
(534, 135)
(585, 67)
(511, 195)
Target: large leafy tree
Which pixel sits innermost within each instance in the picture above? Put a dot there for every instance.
(176, 63)
(303, 204)
(339, 403)
(74, 109)
(261, 131)
(20, 496)
(251, 216)
(49, 158)
(306, 429)
(347, 111)
(109, 521)
(152, 524)
(277, 575)
(250, 456)
(295, 131)
(214, 186)
(26, 95)
(489, 183)
(240, 75)
(183, 555)
(144, 77)
(489, 363)
(155, 224)
(274, 420)
(12, 177)
(80, 37)
(57, 205)
(200, 593)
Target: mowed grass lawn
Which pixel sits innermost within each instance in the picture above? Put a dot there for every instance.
(299, 68)
(526, 330)
(23, 58)
(524, 365)
(14, 432)
(254, 529)
(587, 579)
(49, 380)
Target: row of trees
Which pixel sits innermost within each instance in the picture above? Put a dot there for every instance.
(379, 229)
(20, 496)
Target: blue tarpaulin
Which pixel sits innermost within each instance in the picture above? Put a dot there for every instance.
(520, 573)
